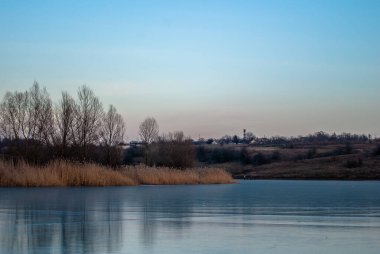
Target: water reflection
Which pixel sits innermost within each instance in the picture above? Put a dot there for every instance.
(87, 220)
(166, 208)
(52, 220)
(207, 219)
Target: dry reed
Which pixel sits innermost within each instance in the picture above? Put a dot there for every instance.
(64, 173)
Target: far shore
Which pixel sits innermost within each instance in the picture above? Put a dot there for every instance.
(65, 173)
(322, 162)
(315, 169)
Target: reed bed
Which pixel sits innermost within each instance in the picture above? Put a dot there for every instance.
(162, 175)
(65, 173)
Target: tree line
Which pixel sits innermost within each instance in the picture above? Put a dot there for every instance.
(317, 138)
(37, 130)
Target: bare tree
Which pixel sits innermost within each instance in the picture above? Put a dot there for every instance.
(13, 114)
(113, 127)
(112, 132)
(89, 115)
(65, 113)
(34, 114)
(148, 130)
(28, 116)
(4, 126)
(45, 122)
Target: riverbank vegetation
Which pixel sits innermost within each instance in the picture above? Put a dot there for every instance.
(316, 156)
(74, 142)
(64, 173)
(36, 132)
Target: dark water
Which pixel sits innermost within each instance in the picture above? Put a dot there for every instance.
(250, 217)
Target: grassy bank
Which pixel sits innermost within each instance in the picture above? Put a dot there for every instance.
(63, 173)
(319, 169)
(323, 162)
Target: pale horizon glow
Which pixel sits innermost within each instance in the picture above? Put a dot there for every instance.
(208, 68)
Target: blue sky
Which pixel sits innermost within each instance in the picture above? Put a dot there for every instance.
(206, 67)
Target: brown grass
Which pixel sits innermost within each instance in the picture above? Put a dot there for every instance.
(162, 175)
(327, 168)
(63, 173)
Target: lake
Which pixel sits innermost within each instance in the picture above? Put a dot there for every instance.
(249, 217)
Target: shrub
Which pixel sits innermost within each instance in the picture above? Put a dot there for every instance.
(347, 149)
(133, 155)
(222, 155)
(353, 163)
(376, 151)
(173, 150)
(201, 153)
(244, 156)
(259, 159)
(311, 153)
(276, 156)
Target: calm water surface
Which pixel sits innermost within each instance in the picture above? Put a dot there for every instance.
(250, 217)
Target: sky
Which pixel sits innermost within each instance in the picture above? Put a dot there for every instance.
(208, 68)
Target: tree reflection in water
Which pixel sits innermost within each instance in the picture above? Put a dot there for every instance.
(60, 221)
(88, 220)
(267, 216)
